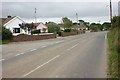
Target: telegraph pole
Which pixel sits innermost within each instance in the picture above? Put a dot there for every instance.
(77, 18)
(111, 12)
(35, 15)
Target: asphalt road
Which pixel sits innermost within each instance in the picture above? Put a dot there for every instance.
(81, 56)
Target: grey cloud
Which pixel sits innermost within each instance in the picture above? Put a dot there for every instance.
(56, 9)
(26, 9)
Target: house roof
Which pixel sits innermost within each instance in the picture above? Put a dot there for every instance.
(35, 25)
(5, 20)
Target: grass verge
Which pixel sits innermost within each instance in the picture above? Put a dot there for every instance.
(113, 56)
(4, 42)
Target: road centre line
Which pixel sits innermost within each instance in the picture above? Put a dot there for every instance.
(40, 66)
(72, 47)
(33, 49)
(44, 46)
(19, 54)
(2, 59)
(105, 36)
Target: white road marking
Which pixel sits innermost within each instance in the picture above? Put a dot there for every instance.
(106, 36)
(2, 59)
(57, 42)
(33, 49)
(19, 54)
(72, 47)
(40, 66)
(44, 46)
(52, 44)
(56, 76)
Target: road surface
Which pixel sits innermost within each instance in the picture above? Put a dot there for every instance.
(80, 56)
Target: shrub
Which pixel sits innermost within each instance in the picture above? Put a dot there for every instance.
(36, 32)
(59, 33)
(74, 30)
(53, 27)
(22, 34)
(6, 34)
(67, 30)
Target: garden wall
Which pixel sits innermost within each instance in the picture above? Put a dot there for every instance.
(21, 38)
(63, 34)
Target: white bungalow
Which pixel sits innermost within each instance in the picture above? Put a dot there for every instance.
(12, 23)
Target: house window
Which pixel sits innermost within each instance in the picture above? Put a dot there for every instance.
(16, 30)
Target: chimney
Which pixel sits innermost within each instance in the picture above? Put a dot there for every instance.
(9, 16)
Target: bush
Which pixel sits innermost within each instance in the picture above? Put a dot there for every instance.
(59, 33)
(67, 30)
(53, 27)
(74, 30)
(6, 34)
(22, 34)
(36, 32)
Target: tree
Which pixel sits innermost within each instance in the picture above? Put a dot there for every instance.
(6, 33)
(116, 21)
(27, 27)
(86, 24)
(100, 27)
(53, 27)
(96, 27)
(81, 21)
(67, 23)
(106, 25)
(93, 27)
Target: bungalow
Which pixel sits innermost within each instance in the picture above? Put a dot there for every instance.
(78, 26)
(12, 23)
(40, 26)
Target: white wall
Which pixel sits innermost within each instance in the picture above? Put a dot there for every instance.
(41, 26)
(14, 23)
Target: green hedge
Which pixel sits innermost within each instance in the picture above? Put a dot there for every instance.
(114, 49)
(36, 32)
(113, 53)
(70, 30)
(67, 30)
(6, 34)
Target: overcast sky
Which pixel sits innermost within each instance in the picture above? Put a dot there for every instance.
(54, 10)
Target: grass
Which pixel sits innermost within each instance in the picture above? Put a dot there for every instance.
(0, 42)
(4, 42)
(113, 56)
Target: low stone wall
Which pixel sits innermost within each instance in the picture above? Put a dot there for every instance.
(63, 34)
(21, 38)
(81, 32)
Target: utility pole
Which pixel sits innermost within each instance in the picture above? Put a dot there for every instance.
(35, 15)
(77, 18)
(111, 12)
